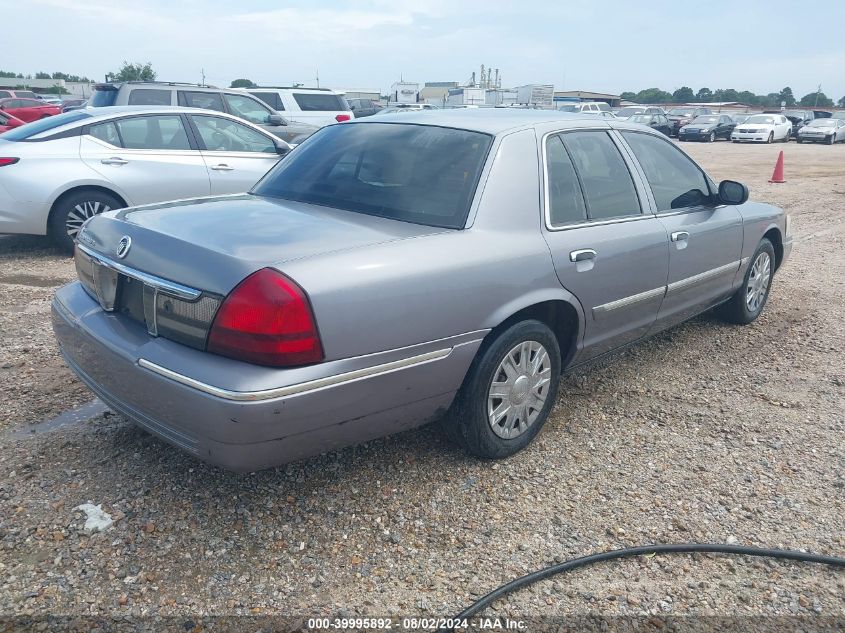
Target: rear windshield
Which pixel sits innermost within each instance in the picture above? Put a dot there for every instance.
(625, 112)
(385, 169)
(320, 102)
(103, 97)
(24, 132)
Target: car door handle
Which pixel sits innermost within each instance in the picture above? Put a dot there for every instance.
(114, 160)
(582, 255)
(222, 167)
(680, 236)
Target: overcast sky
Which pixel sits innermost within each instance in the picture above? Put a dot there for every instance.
(607, 46)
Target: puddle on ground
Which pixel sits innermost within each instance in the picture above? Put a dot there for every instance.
(74, 416)
(33, 281)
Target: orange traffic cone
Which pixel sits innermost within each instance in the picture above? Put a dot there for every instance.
(777, 176)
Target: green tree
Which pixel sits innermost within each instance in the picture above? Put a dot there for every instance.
(704, 94)
(771, 100)
(748, 98)
(787, 96)
(628, 96)
(653, 95)
(135, 72)
(43, 76)
(816, 99)
(684, 94)
(841, 102)
(243, 83)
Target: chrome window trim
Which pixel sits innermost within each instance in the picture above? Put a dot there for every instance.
(161, 285)
(643, 215)
(625, 302)
(688, 282)
(302, 387)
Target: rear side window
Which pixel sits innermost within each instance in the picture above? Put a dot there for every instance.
(566, 200)
(5, 94)
(106, 132)
(103, 97)
(387, 170)
(319, 102)
(608, 187)
(204, 100)
(25, 94)
(272, 99)
(43, 126)
(148, 96)
(153, 132)
(675, 180)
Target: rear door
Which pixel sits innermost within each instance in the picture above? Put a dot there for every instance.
(149, 158)
(705, 238)
(236, 155)
(606, 251)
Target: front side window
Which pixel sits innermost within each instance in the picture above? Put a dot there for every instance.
(222, 135)
(5, 94)
(248, 109)
(675, 180)
(106, 132)
(566, 200)
(609, 190)
(387, 170)
(204, 100)
(147, 96)
(153, 132)
(311, 102)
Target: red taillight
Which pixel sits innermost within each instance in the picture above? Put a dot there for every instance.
(8, 161)
(266, 319)
(340, 118)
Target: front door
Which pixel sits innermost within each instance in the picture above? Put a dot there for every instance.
(237, 156)
(705, 238)
(606, 252)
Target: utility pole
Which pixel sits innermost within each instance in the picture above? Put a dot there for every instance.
(318, 77)
(818, 92)
(202, 70)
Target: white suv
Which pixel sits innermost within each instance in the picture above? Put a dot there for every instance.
(316, 106)
(585, 107)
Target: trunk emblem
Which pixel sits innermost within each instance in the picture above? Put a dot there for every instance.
(123, 246)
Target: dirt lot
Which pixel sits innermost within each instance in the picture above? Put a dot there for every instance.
(708, 432)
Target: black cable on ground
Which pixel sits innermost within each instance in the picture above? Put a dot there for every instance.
(680, 548)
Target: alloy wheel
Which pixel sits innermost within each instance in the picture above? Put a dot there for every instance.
(519, 389)
(758, 282)
(79, 213)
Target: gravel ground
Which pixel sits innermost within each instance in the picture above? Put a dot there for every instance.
(707, 432)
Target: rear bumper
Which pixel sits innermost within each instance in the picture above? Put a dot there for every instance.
(29, 218)
(284, 416)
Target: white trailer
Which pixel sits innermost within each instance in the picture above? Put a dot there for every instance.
(466, 96)
(540, 95)
(404, 92)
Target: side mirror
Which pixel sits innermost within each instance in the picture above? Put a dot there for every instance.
(732, 192)
(282, 148)
(276, 119)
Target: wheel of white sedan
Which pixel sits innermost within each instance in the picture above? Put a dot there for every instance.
(750, 299)
(771, 137)
(508, 392)
(71, 212)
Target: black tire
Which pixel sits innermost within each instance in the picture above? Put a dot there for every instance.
(467, 422)
(771, 137)
(712, 137)
(832, 139)
(736, 310)
(65, 215)
(799, 140)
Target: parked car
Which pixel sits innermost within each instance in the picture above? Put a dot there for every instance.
(585, 107)
(398, 267)
(28, 109)
(763, 128)
(19, 94)
(49, 98)
(627, 112)
(364, 107)
(708, 127)
(740, 117)
(828, 131)
(89, 161)
(657, 122)
(8, 122)
(313, 106)
(798, 118)
(684, 115)
(73, 104)
(231, 101)
(412, 106)
(822, 114)
(840, 114)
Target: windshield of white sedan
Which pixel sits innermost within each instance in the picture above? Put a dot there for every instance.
(764, 120)
(415, 173)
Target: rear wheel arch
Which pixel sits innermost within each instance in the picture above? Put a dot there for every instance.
(78, 189)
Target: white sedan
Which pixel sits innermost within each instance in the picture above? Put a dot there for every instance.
(58, 172)
(763, 128)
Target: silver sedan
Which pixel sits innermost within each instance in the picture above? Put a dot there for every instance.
(828, 131)
(404, 268)
(62, 170)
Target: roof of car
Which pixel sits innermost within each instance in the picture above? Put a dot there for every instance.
(490, 120)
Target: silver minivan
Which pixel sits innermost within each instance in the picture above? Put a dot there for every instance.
(234, 102)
